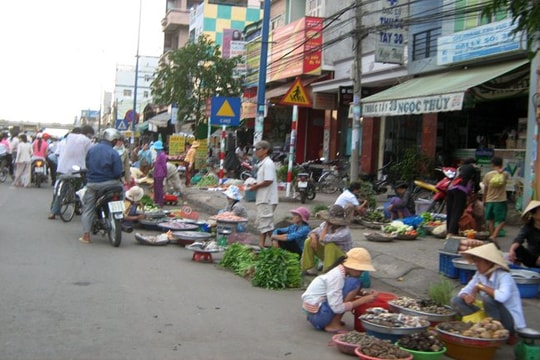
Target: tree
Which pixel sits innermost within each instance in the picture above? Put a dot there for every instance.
(525, 13)
(192, 74)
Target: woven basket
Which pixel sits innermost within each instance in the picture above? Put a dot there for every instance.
(378, 237)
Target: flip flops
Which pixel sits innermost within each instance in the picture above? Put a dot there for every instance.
(84, 241)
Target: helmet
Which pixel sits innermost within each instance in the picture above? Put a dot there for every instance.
(111, 135)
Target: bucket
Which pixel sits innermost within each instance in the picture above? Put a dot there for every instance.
(381, 301)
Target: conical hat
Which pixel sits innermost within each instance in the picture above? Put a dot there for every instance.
(532, 205)
(488, 252)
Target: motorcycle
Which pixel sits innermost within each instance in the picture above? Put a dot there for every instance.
(438, 200)
(380, 183)
(305, 188)
(109, 212)
(38, 171)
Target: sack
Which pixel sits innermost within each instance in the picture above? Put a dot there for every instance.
(497, 180)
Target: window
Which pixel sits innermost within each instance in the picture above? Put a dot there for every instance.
(276, 22)
(314, 8)
(145, 94)
(425, 44)
(127, 92)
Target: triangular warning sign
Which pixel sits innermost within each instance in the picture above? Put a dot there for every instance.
(296, 95)
(225, 110)
(122, 125)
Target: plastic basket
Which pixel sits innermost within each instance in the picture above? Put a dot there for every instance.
(527, 291)
(465, 276)
(381, 301)
(446, 266)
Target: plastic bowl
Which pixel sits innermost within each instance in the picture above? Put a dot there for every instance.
(344, 347)
(380, 301)
(461, 347)
(363, 356)
(425, 355)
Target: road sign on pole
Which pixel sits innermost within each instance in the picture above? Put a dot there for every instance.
(225, 111)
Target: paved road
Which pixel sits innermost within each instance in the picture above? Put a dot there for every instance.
(62, 299)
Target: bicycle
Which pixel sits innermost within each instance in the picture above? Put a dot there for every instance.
(66, 187)
(4, 170)
(333, 179)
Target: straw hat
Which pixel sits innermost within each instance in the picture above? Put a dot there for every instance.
(135, 194)
(233, 192)
(487, 252)
(533, 204)
(195, 144)
(358, 259)
(335, 215)
(302, 212)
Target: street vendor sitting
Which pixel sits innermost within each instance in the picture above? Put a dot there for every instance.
(234, 206)
(328, 242)
(402, 205)
(133, 209)
(331, 295)
(494, 286)
(349, 200)
(292, 237)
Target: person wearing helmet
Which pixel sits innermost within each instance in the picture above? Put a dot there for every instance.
(104, 170)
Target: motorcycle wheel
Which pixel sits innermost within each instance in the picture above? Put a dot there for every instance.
(303, 196)
(4, 172)
(311, 192)
(67, 205)
(114, 231)
(436, 207)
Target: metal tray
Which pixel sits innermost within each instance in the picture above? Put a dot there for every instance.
(177, 226)
(229, 221)
(429, 316)
(461, 263)
(393, 330)
(191, 235)
(525, 277)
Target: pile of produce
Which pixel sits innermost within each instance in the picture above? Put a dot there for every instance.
(485, 329)
(375, 216)
(148, 204)
(466, 244)
(209, 180)
(396, 227)
(422, 305)
(385, 318)
(355, 338)
(423, 341)
(383, 349)
(228, 216)
(271, 268)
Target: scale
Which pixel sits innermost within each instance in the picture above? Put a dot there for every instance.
(527, 348)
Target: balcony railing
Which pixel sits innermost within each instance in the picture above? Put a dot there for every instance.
(175, 18)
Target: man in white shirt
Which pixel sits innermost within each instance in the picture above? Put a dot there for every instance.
(267, 196)
(349, 200)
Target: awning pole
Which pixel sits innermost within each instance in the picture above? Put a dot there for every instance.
(222, 152)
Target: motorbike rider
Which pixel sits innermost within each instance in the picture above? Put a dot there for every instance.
(104, 170)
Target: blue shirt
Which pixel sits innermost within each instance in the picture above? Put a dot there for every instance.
(295, 232)
(103, 163)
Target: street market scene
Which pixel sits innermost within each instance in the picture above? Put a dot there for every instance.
(287, 180)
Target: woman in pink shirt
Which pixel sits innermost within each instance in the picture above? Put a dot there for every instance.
(40, 147)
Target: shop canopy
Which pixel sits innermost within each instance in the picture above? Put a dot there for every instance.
(160, 120)
(433, 93)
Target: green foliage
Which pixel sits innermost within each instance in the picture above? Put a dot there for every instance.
(525, 13)
(411, 165)
(367, 193)
(283, 170)
(276, 268)
(238, 258)
(319, 207)
(192, 74)
(442, 292)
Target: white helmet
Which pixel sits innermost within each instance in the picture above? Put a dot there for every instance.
(111, 135)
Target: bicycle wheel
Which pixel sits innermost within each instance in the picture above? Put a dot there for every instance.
(329, 183)
(67, 205)
(4, 172)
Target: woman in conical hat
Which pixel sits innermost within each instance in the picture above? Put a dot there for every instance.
(530, 233)
(494, 286)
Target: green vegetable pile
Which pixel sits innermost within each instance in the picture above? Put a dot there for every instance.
(208, 180)
(148, 204)
(238, 258)
(375, 216)
(276, 268)
(272, 268)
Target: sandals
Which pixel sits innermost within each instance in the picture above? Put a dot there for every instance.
(84, 240)
(51, 217)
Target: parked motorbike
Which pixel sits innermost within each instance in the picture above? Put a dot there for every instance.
(380, 183)
(439, 190)
(109, 212)
(246, 170)
(305, 188)
(38, 171)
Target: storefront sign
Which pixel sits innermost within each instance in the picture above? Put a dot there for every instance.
(390, 46)
(486, 40)
(423, 105)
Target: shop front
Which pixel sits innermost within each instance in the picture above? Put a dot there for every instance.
(450, 115)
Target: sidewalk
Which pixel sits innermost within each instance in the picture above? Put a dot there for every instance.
(410, 266)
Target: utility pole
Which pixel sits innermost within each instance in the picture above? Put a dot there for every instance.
(355, 141)
(261, 88)
(134, 114)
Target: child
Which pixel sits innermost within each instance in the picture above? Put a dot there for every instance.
(330, 295)
(133, 209)
(234, 205)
